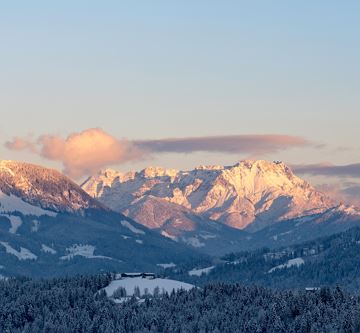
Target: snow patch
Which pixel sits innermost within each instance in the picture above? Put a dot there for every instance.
(24, 253)
(208, 236)
(194, 242)
(128, 225)
(121, 300)
(35, 226)
(303, 219)
(15, 221)
(286, 233)
(12, 203)
(86, 251)
(199, 272)
(47, 249)
(5, 168)
(292, 262)
(165, 234)
(170, 265)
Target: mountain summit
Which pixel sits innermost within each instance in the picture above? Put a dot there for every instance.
(43, 187)
(251, 194)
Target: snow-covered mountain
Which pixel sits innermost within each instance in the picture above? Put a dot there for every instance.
(249, 195)
(50, 226)
(305, 228)
(41, 187)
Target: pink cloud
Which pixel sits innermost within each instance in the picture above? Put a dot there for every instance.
(20, 144)
(82, 153)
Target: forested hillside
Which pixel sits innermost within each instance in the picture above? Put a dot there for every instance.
(79, 305)
(327, 261)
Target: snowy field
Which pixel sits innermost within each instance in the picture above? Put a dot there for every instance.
(86, 251)
(146, 284)
(199, 272)
(292, 262)
(169, 265)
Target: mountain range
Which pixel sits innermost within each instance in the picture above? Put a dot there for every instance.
(261, 202)
(143, 221)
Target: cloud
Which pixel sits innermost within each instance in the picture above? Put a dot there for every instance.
(18, 144)
(234, 144)
(349, 194)
(82, 153)
(326, 169)
(353, 190)
(90, 150)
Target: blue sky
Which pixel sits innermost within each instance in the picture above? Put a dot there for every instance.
(168, 69)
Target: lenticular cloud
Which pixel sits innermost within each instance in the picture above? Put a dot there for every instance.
(232, 144)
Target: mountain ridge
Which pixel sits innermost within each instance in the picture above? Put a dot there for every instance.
(247, 195)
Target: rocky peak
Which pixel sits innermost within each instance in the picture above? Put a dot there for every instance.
(152, 172)
(209, 167)
(264, 167)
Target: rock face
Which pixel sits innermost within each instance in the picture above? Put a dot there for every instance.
(43, 187)
(249, 195)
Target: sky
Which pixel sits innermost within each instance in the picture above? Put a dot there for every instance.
(91, 84)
